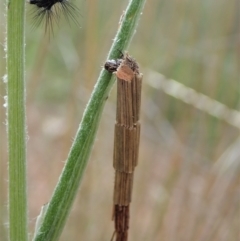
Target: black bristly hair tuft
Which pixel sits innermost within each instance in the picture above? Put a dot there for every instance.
(48, 11)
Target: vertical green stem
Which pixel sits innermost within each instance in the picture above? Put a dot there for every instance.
(16, 120)
(67, 187)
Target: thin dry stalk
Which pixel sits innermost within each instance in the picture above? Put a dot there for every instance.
(126, 139)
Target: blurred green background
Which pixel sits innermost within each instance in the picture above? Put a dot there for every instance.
(187, 183)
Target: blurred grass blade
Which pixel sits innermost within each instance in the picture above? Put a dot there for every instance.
(66, 189)
(15, 103)
(192, 97)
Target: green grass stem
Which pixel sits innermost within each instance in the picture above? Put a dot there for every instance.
(16, 127)
(67, 187)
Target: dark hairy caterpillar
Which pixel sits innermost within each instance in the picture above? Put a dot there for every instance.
(49, 11)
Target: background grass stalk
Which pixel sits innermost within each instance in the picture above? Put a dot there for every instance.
(69, 181)
(16, 121)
